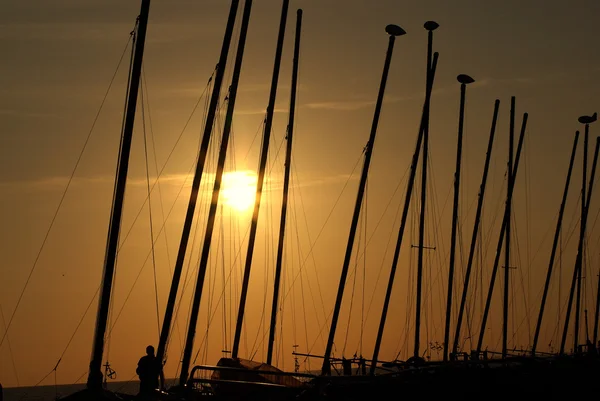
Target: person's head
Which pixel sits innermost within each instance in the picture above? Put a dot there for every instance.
(150, 350)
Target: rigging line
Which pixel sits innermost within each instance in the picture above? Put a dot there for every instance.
(258, 130)
(146, 260)
(403, 341)
(594, 224)
(222, 294)
(355, 274)
(437, 239)
(166, 162)
(293, 300)
(314, 243)
(76, 329)
(431, 206)
(133, 36)
(222, 238)
(160, 197)
(268, 225)
(197, 212)
(230, 272)
(212, 287)
(387, 246)
(326, 220)
(65, 191)
(12, 359)
(302, 273)
(364, 276)
(143, 95)
(309, 238)
(234, 229)
(361, 255)
(302, 292)
(527, 191)
(526, 294)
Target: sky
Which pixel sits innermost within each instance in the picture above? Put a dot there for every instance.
(58, 61)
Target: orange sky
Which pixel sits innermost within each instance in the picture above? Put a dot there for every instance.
(58, 60)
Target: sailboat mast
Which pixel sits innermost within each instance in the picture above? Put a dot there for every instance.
(187, 355)
(463, 299)
(510, 179)
(94, 381)
(430, 26)
(261, 177)
(554, 245)
(579, 259)
(286, 184)
(409, 191)
(393, 31)
(501, 236)
(464, 80)
(595, 333)
(189, 217)
(579, 265)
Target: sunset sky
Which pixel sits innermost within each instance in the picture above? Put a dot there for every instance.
(58, 59)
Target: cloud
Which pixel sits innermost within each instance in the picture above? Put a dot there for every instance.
(59, 183)
(352, 105)
(20, 113)
(264, 87)
(52, 183)
(342, 105)
(248, 112)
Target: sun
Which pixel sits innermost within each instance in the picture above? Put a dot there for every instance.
(239, 189)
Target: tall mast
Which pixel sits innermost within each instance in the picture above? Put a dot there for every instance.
(595, 332)
(430, 26)
(286, 184)
(510, 179)
(94, 381)
(579, 259)
(464, 80)
(463, 299)
(409, 191)
(261, 176)
(554, 245)
(581, 239)
(189, 217)
(393, 31)
(189, 343)
(502, 234)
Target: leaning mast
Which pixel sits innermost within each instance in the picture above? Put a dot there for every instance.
(393, 31)
(261, 175)
(480, 197)
(187, 356)
(464, 81)
(409, 191)
(430, 26)
(94, 381)
(510, 189)
(554, 246)
(203, 151)
(286, 183)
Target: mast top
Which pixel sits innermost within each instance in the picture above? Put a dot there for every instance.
(431, 25)
(464, 79)
(588, 119)
(395, 30)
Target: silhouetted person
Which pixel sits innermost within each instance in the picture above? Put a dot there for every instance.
(149, 370)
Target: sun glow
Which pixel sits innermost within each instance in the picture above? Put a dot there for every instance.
(239, 189)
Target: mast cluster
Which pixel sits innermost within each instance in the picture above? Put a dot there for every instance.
(421, 150)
